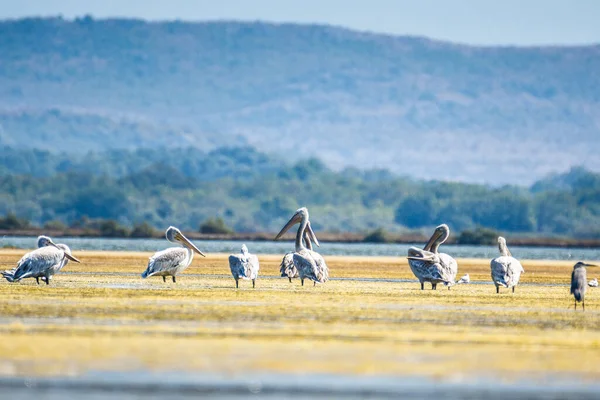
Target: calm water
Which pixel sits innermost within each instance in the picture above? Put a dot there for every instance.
(351, 249)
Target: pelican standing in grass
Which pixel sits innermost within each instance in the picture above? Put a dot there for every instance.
(579, 282)
(244, 266)
(173, 260)
(309, 263)
(506, 270)
(429, 265)
(43, 262)
(287, 267)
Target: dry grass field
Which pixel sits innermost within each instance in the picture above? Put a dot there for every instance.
(371, 319)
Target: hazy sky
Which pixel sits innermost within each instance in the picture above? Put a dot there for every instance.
(520, 22)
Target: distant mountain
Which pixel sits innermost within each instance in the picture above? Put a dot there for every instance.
(419, 107)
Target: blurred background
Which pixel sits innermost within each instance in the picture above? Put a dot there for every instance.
(383, 117)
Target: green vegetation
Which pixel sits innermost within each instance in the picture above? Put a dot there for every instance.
(479, 235)
(215, 225)
(242, 190)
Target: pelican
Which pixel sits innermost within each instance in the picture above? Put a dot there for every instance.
(173, 260)
(579, 281)
(506, 270)
(287, 267)
(244, 266)
(309, 263)
(429, 265)
(464, 279)
(593, 283)
(45, 261)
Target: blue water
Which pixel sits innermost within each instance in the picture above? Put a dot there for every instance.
(349, 249)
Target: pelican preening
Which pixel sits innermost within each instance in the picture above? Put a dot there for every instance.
(45, 261)
(287, 267)
(579, 282)
(506, 270)
(593, 283)
(429, 265)
(309, 263)
(244, 266)
(173, 260)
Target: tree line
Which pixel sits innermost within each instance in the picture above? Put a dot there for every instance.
(248, 191)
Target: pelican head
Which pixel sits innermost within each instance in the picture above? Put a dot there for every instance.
(43, 241)
(301, 214)
(581, 264)
(174, 235)
(244, 249)
(439, 236)
(66, 252)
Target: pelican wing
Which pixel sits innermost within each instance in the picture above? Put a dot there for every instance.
(165, 262)
(449, 268)
(240, 268)
(306, 266)
(322, 269)
(37, 263)
(287, 267)
(506, 271)
(254, 266)
(441, 268)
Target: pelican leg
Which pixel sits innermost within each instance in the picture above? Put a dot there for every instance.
(47, 279)
(164, 278)
(37, 279)
(449, 287)
(290, 278)
(583, 304)
(513, 289)
(575, 305)
(422, 285)
(314, 283)
(174, 280)
(302, 281)
(237, 284)
(497, 289)
(433, 286)
(253, 283)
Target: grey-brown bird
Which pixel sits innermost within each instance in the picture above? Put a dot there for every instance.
(579, 282)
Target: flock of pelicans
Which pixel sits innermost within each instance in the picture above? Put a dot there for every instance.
(427, 264)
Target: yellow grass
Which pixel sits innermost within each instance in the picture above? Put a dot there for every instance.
(100, 315)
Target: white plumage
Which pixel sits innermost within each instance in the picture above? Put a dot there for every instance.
(465, 279)
(593, 283)
(309, 264)
(287, 267)
(506, 270)
(244, 266)
(43, 262)
(429, 265)
(172, 261)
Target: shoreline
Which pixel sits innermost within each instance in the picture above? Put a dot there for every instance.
(325, 237)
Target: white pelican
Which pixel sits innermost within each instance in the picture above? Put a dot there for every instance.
(578, 282)
(244, 266)
(593, 283)
(309, 263)
(429, 265)
(173, 260)
(43, 262)
(287, 267)
(506, 270)
(464, 279)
